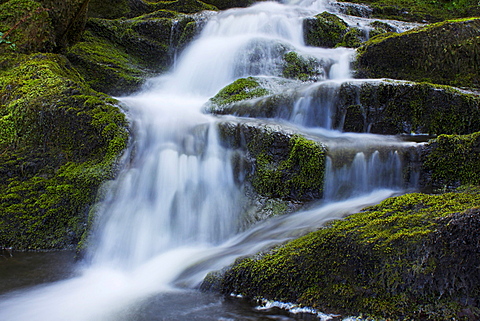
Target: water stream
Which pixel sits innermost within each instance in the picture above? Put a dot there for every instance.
(174, 213)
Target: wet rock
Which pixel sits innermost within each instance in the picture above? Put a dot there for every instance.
(375, 106)
(442, 53)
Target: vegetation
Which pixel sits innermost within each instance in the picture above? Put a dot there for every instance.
(395, 260)
(240, 89)
(421, 10)
(442, 53)
(452, 160)
(59, 141)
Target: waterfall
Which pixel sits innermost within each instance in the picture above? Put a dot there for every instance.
(173, 214)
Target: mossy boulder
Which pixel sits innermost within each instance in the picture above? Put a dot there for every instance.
(324, 30)
(417, 10)
(398, 259)
(115, 56)
(375, 106)
(450, 161)
(227, 4)
(301, 68)
(240, 89)
(113, 9)
(59, 140)
(442, 53)
(279, 163)
(390, 107)
(29, 26)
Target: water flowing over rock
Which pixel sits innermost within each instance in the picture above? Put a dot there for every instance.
(204, 187)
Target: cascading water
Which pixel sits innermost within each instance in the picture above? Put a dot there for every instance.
(176, 202)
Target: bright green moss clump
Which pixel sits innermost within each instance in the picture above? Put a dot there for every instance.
(59, 140)
(298, 67)
(395, 260)
(240, 89)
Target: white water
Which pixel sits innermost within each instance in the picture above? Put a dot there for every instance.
(177, 203)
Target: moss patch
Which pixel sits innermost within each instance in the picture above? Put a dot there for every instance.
(325, 30)
(115, 56)
(240, 89)
(421, 10)
(443, 53)
(298, 67)
(453, 160)
(385, 262)
(59, 141)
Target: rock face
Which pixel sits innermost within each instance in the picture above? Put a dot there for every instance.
(443, 53)
(280, 163)
(43, 25)
(395, 259)
(60, 140)
(450, 161)
(375, 106)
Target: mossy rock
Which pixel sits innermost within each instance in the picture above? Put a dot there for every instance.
(60, 140)
(442, 53)
(240, 89)
(43, 25)
(112, 9)
(376, 106)
(450, 161)
(280, 162)
(395, 260)
(420, 10)
(391, 107)
(300, 68)
(227, 4)
(115, 56)
(324, 30)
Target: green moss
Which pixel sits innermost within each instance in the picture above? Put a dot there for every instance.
(60, 141)
(454, 160)
(353, 38)
(297, 67)
(384, 262)
(105, 66)
(35, 33)
(115, 56)
(108, 9)
(325, 30)
(391, 107)
(444, 53)
(240, 89)
(421, 10)
(298, 176)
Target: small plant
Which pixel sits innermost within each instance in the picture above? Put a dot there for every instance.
(3, 39)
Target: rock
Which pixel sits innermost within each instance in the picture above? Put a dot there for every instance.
(396, 258)
(280, 163)
(375, 106)
(60, 140)
(442, 53)
(115, 56)
(324, 30)
(41, 26)
(450, 161)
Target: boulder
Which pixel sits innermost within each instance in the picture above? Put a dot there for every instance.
(59, 140)
(398, 258)
(442, 53)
